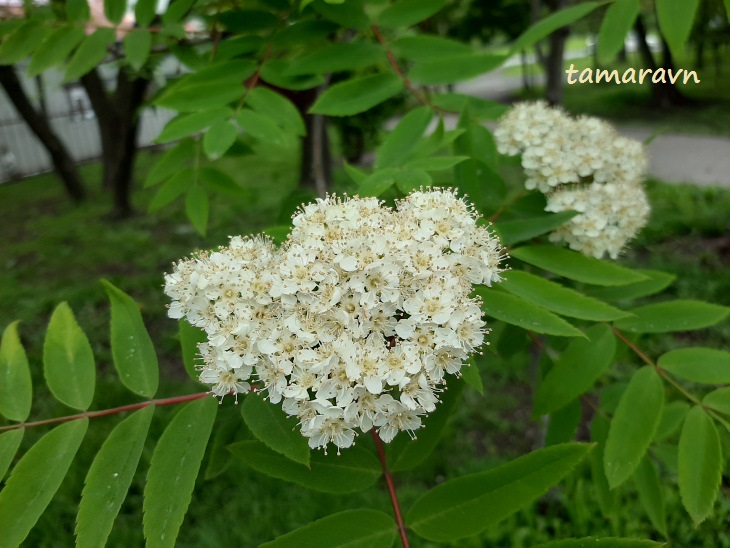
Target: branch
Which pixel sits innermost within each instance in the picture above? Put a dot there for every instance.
(663, 374)
(253, 81)
(391, 489)
(104, 412)
(394, 63)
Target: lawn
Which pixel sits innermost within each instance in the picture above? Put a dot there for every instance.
(51, 251)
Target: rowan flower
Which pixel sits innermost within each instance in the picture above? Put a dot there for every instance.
(355, 322)
(581, 165)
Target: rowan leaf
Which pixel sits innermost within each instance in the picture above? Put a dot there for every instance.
(173, 470)
(134, 354)
(68, 361)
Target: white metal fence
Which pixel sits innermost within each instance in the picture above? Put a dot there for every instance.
(22, 154)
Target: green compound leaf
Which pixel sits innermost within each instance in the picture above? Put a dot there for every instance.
(553, 22)
(617, 22)
(190, 124)
(575, 266)
(137, 47)
(577, 370)
(78, 10)
(354, 470)
(700, 464)
(336, 58)
(109, 478)
(425, 47)
(668, 316)
(195, 97)
(114, 10)
(672, 418)
(465, 506)
(132, 349)
(9, 443)
(634, 425)
(598, 542)
(650, 494)
(68, 361)
(480, 109)
(219, 138)
(378, 182)
(436, 163)
(261, 127)
(89, 54)
(16, 386)
(172, 162)
(197, 208)
(517, 311)
(409, 12)
(456, 68)
(357, 95)
(21, 43)
(403, 453)
(557, 298)
(348, 529)
(604, 496)
(703, 365)
(675, 18)
(273, 427)
(144, 12)
(276, 108)
(399, 143)
(190, 337)
(172, 190)
(36, 478)
(656, 281)
(719, 400)
(563, 424)
(55, 48)
(173, 470)
(408, 180)
(349, 14)
(470, 373)
(512, 232)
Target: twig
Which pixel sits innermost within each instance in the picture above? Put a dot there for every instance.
(391, 489)
(253, 80)
(104, 412)
(394, 63)
(663, 374)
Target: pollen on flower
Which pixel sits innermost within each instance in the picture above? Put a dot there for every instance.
(580, 165)
(355, 322)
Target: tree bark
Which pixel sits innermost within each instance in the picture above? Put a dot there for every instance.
(554, 60)
(664, 95)
(315, 168)
(62, 162)
(118, 120)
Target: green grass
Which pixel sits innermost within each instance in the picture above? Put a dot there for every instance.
(51, 251)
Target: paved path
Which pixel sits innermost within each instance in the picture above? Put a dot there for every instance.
(675, 158)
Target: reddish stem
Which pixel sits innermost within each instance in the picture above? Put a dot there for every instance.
(104, 412)
(391, 489)
(394, 63)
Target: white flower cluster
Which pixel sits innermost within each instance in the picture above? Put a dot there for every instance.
(583, 165)
(354, 321)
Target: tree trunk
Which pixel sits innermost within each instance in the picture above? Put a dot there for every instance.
(315, 169)
(118, 121)
(664, 95)
(62, 161)
(554, 60)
